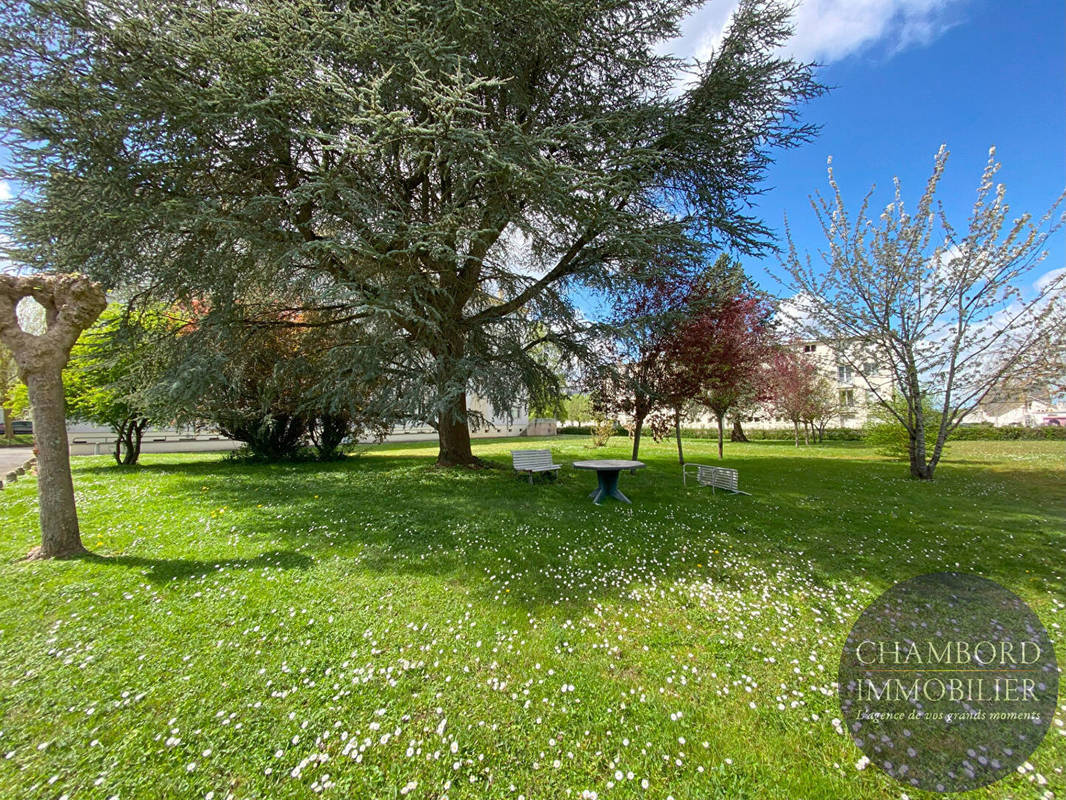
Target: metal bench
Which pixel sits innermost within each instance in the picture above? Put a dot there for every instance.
(715, 477)
(533, 461)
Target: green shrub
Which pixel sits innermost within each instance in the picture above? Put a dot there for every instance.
(988, 433)
(589, 430)
(775, 434)
(889, 438)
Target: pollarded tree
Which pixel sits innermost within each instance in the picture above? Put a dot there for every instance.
(444, 172)
(13, 400)
(945, 309)
(71, 303)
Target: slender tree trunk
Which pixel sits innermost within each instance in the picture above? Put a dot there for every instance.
(453, 433)
(920, 468)
(9, 427)
(120, 438)
(721, 435)
(738, 434)
(638, 426)
(796, 432)
(938, 449)
(60, 536)
(133, 455)
(677, 433)
(129, 457)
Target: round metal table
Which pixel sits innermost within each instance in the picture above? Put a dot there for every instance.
(607, 471)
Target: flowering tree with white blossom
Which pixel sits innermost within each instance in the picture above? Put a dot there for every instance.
(947, 310)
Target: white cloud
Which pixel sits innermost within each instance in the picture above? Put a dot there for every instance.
(5, 191)
(1052, 280)
(795, 317)
(830, 30)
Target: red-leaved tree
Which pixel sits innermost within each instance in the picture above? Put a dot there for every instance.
(701, 335)
(793, 383)
(721, 354)
(643, 386)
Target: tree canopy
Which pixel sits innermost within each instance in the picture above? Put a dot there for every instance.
(687, 333)
(112, 372)
(440, 174)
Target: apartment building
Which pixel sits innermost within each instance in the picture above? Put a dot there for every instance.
(851, 381)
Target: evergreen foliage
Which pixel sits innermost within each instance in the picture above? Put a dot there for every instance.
(434, 178)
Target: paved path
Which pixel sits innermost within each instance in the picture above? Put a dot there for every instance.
(13, 458)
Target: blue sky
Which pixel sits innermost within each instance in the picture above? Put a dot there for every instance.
(909, 75)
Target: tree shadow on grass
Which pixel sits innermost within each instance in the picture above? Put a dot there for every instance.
(224, 466)
(835, 519)
(164, 570)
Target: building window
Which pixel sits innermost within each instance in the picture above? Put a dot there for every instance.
(847, 398)
(809, 348)
(843, 374)
(869, 368)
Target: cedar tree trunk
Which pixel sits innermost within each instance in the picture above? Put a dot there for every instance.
(453, 432)
(738, 434)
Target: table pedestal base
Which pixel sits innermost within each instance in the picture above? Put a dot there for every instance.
(608, 480)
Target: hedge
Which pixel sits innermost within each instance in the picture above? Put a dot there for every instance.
(586, 430)
(755, 434)
(987, 433)
(774, 434)
(968, 433)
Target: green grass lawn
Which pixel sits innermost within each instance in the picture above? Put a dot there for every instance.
(378, 628)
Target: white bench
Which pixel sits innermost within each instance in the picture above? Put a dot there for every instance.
(715, 477)
(532, 461)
